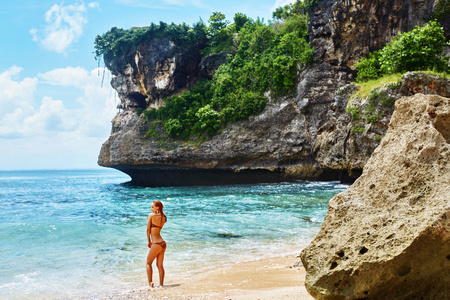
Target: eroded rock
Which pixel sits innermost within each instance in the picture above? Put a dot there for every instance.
(154, 70)
(306, 135)
(388, 235)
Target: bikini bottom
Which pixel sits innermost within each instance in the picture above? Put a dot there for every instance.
(162, 244)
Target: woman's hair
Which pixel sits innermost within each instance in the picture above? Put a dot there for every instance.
(160, 206)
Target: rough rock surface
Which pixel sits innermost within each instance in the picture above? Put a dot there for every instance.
(270, 147)
(303, 136)
(388, 235)
(280, 144)
(338, 147)
(153, 71)
(344, 31)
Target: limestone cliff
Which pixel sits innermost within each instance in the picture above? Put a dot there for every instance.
(154, 70)
(303, 136)
(388, 235)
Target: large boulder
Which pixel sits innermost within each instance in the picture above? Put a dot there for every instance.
(388, 235)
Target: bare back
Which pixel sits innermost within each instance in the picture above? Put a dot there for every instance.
(154, 226)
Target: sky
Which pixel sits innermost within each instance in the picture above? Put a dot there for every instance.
(56, 102)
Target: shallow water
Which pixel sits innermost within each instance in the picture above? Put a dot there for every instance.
(67, 233)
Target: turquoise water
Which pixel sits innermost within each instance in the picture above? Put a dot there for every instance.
(75, 233)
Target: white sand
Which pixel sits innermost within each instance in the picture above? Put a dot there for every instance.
(268, 278)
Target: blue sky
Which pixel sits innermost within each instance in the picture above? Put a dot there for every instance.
(55, 113)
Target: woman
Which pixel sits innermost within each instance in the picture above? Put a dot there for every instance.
(156, 221)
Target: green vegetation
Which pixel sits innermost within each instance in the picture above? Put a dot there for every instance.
(371, 114)
(118, 42)
(385, 100)
(373, 118)
(417, 50)
(392, 80)
(369, 67)
(441, 10)
(354, 112)
(219, 34)
(358, 129)
(310, 4)
(262, 58)
(376, 97)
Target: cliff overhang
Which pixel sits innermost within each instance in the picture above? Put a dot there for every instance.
(305, 136)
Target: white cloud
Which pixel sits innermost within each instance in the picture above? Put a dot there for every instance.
(69, 76)
(94, 5)
(63, 27)
(97, 102)
(51, 117)
(16, 101)
(280, 3)
(47, 130)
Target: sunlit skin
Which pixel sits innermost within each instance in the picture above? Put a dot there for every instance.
(154, 236)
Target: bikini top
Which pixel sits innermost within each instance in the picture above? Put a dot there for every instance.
(156, 226)
(153, 225)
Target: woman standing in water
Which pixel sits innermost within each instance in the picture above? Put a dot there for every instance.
(157, 245)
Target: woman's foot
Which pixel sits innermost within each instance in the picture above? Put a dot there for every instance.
(152, 285)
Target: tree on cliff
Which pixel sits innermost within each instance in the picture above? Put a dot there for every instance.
(263, 57)
(219, 37)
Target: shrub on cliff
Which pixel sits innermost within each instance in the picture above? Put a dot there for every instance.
(263, 57)
(292, 18)
(369, 67)
(218, 33)
(173, 127)
(266, 58)
(417, 50)
(208, 119)
(118, 42)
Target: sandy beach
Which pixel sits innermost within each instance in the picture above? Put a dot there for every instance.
(268, 278)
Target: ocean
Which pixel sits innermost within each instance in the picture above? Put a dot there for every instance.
(79, 233)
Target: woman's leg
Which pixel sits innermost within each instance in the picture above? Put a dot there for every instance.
(159, 264)
(152, 254)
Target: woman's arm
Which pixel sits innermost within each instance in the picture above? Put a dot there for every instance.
(149, 222)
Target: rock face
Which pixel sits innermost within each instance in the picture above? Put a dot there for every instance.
(304, 136)
(269, 147)
(344, 31)
(388, 235)
(339, 147)
(153, 71)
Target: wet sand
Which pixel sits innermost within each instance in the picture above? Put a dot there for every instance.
(268, 278)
